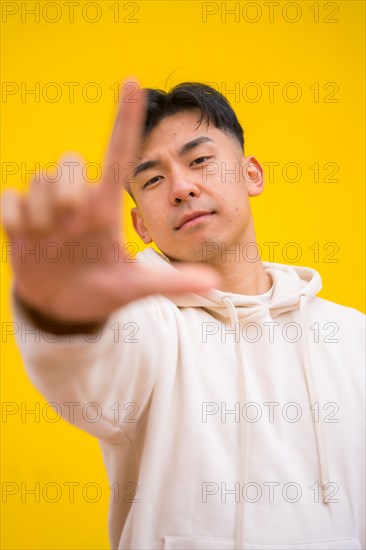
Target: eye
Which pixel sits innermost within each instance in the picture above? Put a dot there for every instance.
(152, 181)
(200, 160)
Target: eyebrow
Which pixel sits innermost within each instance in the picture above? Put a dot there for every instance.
(143, 166)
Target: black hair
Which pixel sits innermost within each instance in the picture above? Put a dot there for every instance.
(214, 107)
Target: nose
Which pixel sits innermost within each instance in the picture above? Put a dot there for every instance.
(182, 188)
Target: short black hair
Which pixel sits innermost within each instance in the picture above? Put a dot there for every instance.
(214, 107)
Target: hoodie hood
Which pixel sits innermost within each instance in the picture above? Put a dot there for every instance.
(289, 284)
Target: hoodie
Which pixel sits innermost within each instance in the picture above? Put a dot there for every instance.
(225, 421)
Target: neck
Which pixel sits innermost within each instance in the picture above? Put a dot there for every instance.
(240, 267)
(238, 272)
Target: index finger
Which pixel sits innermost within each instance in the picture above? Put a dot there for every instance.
(127, 131)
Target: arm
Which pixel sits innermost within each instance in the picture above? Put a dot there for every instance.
(99, 380)
(75, 292)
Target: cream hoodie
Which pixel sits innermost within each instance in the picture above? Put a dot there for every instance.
(225, 422)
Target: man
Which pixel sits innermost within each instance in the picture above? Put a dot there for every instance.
(228, 418)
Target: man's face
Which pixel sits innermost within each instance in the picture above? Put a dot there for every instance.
(184, 171)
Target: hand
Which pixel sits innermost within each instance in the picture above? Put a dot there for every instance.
(80, 225)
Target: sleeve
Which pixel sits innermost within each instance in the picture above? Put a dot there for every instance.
(100, 381)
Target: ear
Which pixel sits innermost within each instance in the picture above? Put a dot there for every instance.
(138, 224)
(253, 175)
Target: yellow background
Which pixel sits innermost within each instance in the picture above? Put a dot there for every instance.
(168, 44)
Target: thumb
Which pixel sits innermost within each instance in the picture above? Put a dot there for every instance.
(184, 279)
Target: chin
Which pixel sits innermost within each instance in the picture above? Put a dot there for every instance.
(190, 256)
(195, 248)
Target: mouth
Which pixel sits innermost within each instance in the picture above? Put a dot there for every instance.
(189, 220)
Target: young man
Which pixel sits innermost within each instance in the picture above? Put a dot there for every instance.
(228, 418)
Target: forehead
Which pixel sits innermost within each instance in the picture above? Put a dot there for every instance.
(175, 130)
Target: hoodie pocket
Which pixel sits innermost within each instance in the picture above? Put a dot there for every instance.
(209, 543)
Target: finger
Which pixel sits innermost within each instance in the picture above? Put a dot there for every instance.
(187, 278)
(127, 131)
(70, 194)
(38, 207)
(11, 211)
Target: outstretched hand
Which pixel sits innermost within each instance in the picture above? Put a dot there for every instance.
(82, 223)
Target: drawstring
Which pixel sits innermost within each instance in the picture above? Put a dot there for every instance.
(318, 426)
(244, 432)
